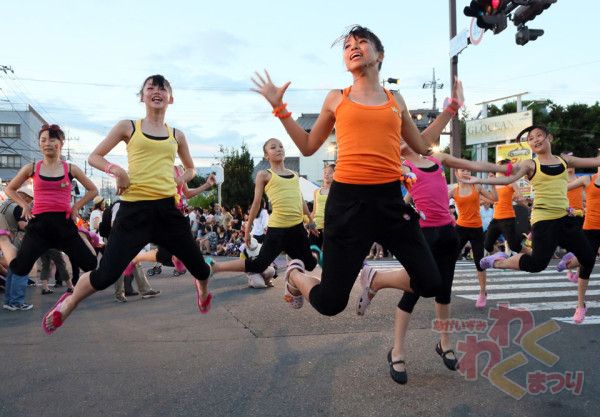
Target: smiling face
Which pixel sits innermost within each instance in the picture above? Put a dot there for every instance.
(156, 92)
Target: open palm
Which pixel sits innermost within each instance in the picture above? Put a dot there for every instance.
(268, 90)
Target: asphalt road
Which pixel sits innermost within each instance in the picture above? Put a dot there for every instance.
(254, 356)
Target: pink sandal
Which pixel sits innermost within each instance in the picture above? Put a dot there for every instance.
(295, 301)
(57, 320)
(203, 306)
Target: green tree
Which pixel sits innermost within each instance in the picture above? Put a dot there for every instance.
(238, 185)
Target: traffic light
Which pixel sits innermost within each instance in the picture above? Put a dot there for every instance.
(524, 35)
(528, 10)
(489, 14)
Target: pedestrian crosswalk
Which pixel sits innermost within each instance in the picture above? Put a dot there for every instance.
(547, 291)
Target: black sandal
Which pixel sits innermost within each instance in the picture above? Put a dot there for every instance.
(450, 363)
(398, 376)
(46, 292)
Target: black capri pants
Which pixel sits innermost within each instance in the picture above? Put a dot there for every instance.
(443, 242)
(506, 227)
(356, 216)
(52, 230)
(474, 235)
(139, 223)
(548, 235)
(291, 240)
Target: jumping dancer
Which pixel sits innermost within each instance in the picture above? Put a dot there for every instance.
(52, 218)
(469, 225)
(591, 224)
(286, 227)
(552, 224)
(504, 219)
(148, 210)
(365, 200)
(319, 201)
(431, 197)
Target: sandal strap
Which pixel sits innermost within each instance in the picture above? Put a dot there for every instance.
(398, 362)
(447, 352)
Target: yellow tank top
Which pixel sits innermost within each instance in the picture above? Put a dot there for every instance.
(320, 202)
(286, 200)
(150, 166)
(550, 201)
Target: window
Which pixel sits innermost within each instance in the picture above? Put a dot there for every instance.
(10, 131)
(10, 161)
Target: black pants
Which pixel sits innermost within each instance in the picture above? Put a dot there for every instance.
(504, 227)
(317, 240)
(137, 224)
(474, 235)
(51, 230)
(291, 240)
(443, 242)
(53, 255)
(564, 232)
(164, 257)
(356, 216)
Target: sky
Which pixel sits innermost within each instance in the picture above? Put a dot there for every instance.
(81, 64)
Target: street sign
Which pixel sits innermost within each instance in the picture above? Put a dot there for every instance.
(459, 42)
(475, 32)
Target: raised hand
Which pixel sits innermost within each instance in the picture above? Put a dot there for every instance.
(266, 88)
(457, 91)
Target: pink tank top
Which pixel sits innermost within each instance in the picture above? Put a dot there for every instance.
(430, 194)
(51, 196)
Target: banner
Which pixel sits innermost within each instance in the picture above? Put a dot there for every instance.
(497, 128)
(516, 152)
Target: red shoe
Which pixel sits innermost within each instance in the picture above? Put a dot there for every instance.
(56, 316)
(203, 306)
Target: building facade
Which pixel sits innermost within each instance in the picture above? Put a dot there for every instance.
(18, 140)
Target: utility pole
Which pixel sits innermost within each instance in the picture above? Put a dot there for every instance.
(433, 84)
(69, 139)
(455, 134)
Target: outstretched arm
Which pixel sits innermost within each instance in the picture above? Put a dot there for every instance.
(579, 182)
(518, 171)
(478, 166)
(575, 162)
(307, 143)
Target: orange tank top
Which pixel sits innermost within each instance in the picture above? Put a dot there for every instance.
(503, 208)
(368, 140)
(592, 207)
(575, 197)
(468, 208)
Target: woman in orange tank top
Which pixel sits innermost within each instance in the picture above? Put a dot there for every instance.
(504, 223)
(365, 202)
(469, 225)
(591, 224)
(575, 195)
